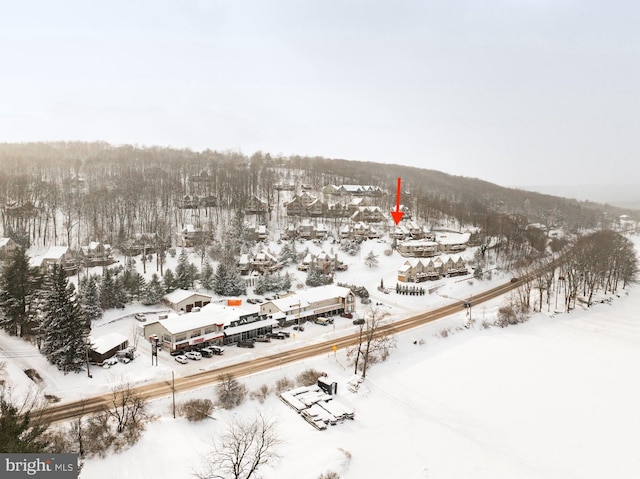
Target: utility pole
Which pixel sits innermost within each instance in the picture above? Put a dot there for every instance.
(173, 391)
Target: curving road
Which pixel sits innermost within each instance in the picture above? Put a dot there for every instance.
(161, 389)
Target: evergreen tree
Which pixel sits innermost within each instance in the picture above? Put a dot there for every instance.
(206, 275)
(63, 329)
(371, 259)
(107, 290)
(182, 270)
(170, 281)
(154, 291)
(262, 284)
(316, 278)
(288, 253)
(220, 279)
(235, 285)
(19, 284)
(228, 281)
(19, 433)
(121, 295)
(90, 299)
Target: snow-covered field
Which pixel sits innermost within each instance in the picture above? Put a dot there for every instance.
(556, 397)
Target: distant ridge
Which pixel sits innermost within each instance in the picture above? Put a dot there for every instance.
(623, 196)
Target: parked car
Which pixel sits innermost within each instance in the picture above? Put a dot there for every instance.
(181, 358)
(263, 339)
(347, 315)
(322, 321)
(140, 317)
(298, 328)
(206, 352)
(247, 343)
(112, 361)
(279, 335)
(287, 334)
(217, 350)
(358, 321)
(177, 352)
(195, 355)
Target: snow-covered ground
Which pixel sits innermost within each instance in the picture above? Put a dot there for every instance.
(556, 397)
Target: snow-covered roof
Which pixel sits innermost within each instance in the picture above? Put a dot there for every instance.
(105, 343)
(310, 296)
(208, 315)
(56, 252)
(450, 237)
(181, 294)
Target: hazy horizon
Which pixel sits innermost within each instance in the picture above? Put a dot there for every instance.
(539, 93)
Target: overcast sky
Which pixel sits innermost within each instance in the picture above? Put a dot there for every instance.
(516, 92)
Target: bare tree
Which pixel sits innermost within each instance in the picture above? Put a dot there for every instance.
(373, 344)
(128, 410)
(244, 448)
(230, 391)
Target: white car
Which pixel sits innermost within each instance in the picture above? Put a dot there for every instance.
(140, 317)
(182, 359)
(195, 355)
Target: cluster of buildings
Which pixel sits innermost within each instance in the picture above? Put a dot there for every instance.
(197, 321)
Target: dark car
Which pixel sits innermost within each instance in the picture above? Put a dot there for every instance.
(358, 321)
(206, 352)
(347, 315)
(298, 328)
(279, 335)
(247, 343)
(217, 350)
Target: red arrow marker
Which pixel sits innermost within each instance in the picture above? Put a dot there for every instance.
(397, 214)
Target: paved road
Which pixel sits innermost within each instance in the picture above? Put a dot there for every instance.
(158, 390)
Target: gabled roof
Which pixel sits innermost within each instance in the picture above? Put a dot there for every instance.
(102, 344)
(56, 252)
(181, 294)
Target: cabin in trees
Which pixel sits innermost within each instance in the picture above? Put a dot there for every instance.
(60, 256)
(191, 236)
(259, 233)
(143, 243)
(96, 254)
(7, 247)
(368, 214)
(305, 205)
(323, 262)
(418, 270)
(264, 262)
(310, 304)
(411, 230)
(353, 190)
(309, 231)
(185, 301)
(359, 231)
(256, 206)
